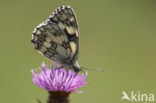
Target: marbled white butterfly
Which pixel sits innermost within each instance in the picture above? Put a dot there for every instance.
(58, 38)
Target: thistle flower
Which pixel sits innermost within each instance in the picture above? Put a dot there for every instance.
(60, 83)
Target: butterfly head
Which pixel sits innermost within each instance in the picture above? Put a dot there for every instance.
(76, 69)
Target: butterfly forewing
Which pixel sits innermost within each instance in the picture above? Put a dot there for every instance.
(58, 37)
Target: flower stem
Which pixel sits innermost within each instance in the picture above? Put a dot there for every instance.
(58, 97)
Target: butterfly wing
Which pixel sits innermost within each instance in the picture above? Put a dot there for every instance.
(58, 38)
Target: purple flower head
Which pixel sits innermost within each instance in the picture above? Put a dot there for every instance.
(58, 79)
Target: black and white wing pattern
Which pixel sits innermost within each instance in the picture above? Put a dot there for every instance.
(58, 37)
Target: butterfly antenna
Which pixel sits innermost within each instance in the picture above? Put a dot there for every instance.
(92, 69)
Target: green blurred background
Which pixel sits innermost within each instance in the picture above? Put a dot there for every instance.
(118, 36)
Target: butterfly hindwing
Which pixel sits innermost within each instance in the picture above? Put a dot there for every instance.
(57, 38)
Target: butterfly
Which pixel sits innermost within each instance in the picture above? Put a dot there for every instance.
(58, 38)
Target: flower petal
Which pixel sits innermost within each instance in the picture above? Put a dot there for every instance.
(54, 79)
